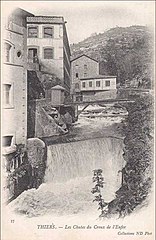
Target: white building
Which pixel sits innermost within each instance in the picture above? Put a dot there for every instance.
(14, 79)
(97, 87)
(48, 43)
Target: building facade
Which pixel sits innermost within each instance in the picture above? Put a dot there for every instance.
(81, 67)
(98, 87)
(14, 79)
(47, 43)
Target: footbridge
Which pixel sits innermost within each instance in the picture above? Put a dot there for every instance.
(123, 95)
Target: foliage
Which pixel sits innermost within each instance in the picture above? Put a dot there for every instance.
(124, 52)
(138, 154)
(99, 182)
(50, 80)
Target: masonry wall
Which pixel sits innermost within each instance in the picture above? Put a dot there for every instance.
(77, 66)
(66, 60)
(14, 73)
(54, 66)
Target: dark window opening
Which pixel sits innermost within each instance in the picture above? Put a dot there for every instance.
(83, 84)
(48, 53)
(85, 67)
(107, 83)
(19, 54)
(77, 75)
(32, 55)
(6, 141)
(90, 84)
(77, 85)
(97, 83)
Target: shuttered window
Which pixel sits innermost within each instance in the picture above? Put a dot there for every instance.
(48, 32)
(32, 32)
(48, 53)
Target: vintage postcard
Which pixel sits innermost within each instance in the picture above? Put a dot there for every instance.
(77, 152)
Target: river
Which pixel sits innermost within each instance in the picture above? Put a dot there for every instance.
(91, 144)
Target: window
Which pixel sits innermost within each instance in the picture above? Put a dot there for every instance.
(7, 52)
(6, 141)
(85, 74)
(77, 75)
(85, 67)
(6, 92)
(107, 83)
(48, 32)
(61, 31)
(48, 53)
(32, 55)
(32, 32)
(97, 83)
(77, 85)
(90, 84)
(19, 53)
(83, 84)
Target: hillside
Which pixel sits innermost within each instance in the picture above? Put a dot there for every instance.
(122, 51)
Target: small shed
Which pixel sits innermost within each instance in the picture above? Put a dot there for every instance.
(57, 95)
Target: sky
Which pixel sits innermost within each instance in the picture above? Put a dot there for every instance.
(87, 17)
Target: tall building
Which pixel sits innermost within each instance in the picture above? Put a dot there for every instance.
(48, 44)
(81, 67)
(14, 79)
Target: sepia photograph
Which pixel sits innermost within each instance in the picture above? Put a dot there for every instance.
(77, 125)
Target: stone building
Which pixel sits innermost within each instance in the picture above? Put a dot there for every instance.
(82, 66)
(48, 44)
(14, 79)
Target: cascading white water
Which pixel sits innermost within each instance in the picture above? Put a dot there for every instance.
(68, 178)
(79, 159)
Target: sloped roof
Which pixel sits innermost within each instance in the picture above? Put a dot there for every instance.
(58, 87)
(97, 77)
(85, 56)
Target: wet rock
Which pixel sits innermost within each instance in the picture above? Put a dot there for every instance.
(36, 150)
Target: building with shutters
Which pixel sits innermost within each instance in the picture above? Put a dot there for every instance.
(47, 43)
(14, 79)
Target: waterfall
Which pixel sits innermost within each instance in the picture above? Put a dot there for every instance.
(79, 159)
(68, 178)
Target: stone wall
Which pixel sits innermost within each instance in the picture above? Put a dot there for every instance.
(103, 95)
(42, 123)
